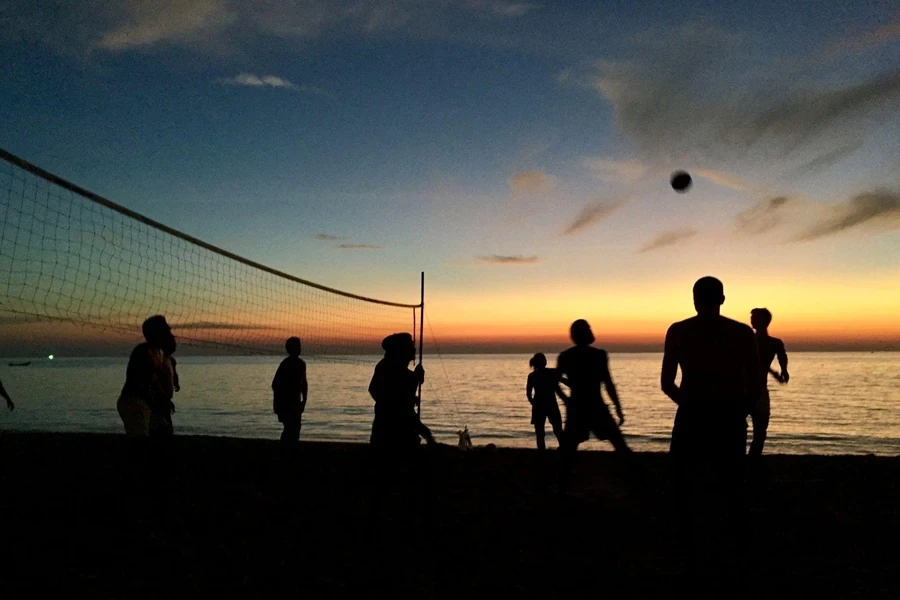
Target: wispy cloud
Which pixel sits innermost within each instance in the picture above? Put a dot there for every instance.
(228, 26)
(531, 182)
(879, 207)
(503, 259)
(179, 22)
(805, 220)
(615, 170)
(271, 81)
(764, 215)
(722, 178)
(669, 238)
(360, 247)
(327, 237)
(864, 42)
(828, 159)
(591, 214)
(689, 94)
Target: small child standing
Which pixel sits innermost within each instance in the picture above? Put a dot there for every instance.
(541, 390)
(290, 392)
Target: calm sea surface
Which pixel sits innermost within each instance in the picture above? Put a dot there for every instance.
(836, 403)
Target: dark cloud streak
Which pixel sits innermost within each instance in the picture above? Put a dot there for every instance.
(360, 247)
(763, 216)
(690, 94)
(503, 259)
(592, 213)
(665, 239)
(878, 206)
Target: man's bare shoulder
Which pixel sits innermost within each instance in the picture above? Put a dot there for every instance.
(680, 326)
(737, 326)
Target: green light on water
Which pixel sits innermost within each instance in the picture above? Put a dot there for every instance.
(50, 357)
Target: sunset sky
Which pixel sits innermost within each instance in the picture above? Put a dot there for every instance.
(517, 152)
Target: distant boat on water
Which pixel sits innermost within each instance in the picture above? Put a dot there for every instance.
(20, 364)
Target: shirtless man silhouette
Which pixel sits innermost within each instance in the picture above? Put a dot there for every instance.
(719, 386)
(769, 348)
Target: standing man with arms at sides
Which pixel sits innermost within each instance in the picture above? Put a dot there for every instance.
(769, 348)
(290, 390)
(720, 384)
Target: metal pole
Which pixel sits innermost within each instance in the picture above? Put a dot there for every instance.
(421, 338)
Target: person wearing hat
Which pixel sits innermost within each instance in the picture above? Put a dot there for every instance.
(396, 426)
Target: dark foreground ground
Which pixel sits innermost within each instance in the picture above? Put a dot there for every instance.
(237, 521)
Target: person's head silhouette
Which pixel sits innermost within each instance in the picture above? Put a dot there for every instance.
(158, 333)
(399, 347)
(581, 333)
(292, 346)
(709, 295)
(760, 318)
(538, 361)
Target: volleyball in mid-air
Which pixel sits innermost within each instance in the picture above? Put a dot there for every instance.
(681, 181)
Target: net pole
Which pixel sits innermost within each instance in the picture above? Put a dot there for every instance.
(421, 339)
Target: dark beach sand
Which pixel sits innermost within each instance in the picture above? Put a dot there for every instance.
(236, 522)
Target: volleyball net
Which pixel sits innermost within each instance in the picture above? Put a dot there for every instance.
(67, 254)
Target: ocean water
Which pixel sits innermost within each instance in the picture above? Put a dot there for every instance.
(836, 403)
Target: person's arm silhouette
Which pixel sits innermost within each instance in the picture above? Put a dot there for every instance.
(782, 362)
(5, 396)
(611, 390)
(752, 369)
(561, 393)
(670, 367)
(304, 386)
(529, 389)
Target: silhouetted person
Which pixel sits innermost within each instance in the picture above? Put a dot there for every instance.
(719, 385)
(585, 370)
(398, 460)
(149, 383)
(541, 390)
(769, 348)
(393, 387)
(5, 396)
(290, 390)
(148, 389)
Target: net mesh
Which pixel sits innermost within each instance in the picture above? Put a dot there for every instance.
(65, 256)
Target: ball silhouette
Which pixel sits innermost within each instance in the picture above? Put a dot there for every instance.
(681, 181)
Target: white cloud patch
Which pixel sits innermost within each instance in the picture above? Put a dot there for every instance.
(273, 81)
(615, 170)
(251, 80)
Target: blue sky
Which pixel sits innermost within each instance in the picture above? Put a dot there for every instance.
(453, 133)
